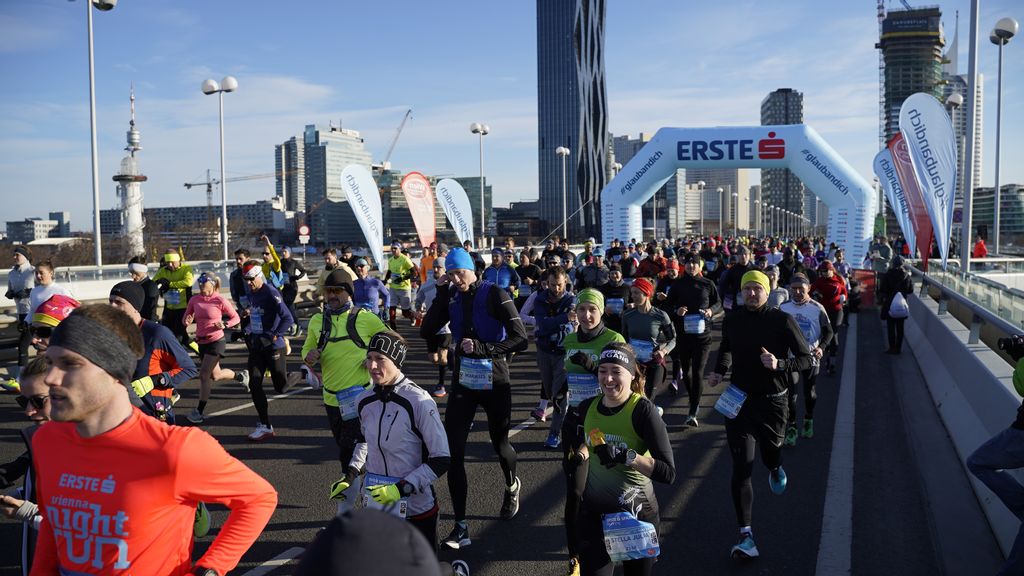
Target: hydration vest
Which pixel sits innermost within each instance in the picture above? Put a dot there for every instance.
(486, 327)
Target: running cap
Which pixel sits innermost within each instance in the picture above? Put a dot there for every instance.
(54, 311)
(598, 252)
(672, 264)
(131, 292)
(340, 278)
(361, 262)
(619, 353)
(459, 259)
(691, 258)
(644, 285)
(826, 265)
(23, 250)
(389, 344)
(591, 296)
(758, 277)
(498, 251)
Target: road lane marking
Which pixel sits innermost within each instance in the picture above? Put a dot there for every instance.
(250, 404)
(835, 546)
(275, 562)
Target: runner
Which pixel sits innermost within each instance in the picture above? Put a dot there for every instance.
(269, 320)
(550, 312)
(20, 281)
(293, 272)
(755, 403)
(896, 281)
(651, 334)
(617, 298)
(814, 324)
(175, 281)
(400, 271)
(830, 290)
(147, 478)
(529, 276)
(439, 342)
(208, 311)
(692, 300)
(240, 294)
(45, 286)
(625, 446)
(336, 339)
(778, 294)
(402, 464)
(47, 317)
(369, 291)
(139, 272)
(485, 329)
(501, 273)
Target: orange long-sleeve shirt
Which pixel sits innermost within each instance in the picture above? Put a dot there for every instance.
(124, 502)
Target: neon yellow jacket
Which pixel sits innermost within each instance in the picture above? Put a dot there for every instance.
(179, 281)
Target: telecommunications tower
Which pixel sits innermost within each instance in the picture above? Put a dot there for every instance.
(129, 189)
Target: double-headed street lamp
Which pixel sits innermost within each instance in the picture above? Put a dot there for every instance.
(721, 210)
(757, 217)
(210, 86)
(103, 6)
(735, 214)
(700, 195)
(564, 153)
(1005, 29)
(482, 130)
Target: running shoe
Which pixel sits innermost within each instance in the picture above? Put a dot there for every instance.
(194, 346)
(460, 568)
(574, 567)
(439, 391)
(11, 385)
(661, 411)
(808, 428)
(673, 387)
(540, 414)
(459, 537)
(510, 506)
(242, 376)
(201, 526)
(261, 433)
(790, 436)
(691, 421)
(195, 417)
(746, 549)
(777, 480)
(553, 441)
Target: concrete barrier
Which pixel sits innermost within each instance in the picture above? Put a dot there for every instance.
(971, 388)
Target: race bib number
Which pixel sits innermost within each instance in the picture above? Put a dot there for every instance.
(173, 297)
(347, 402)
(626, 538)
(256, 321)
(694, 324)
(727, 303)
(730, 402)
(581, 387)
(476, 373)
(525, 290)
(643, 349)
(400, 508)
(243, 301)
(614, 306)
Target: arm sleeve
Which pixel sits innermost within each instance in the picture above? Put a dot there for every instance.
(527, 311)
(505, 311)
(625, 324)
(299, 271)
(428, 422)
(572, 426)
(385, 293)
(228, 310)
(275, 260)
(11, 471)
(207, 473)
(797, 345)
(825, 327)
(668, 331)
(182, 368)
(654, 433)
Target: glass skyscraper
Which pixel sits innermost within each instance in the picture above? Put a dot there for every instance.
(326, 154)
(572, 111)
(779, 186)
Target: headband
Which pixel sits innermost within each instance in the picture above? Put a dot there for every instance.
(138, 268)
(389, 344)
(85, 336)
(622, 356)
(253, 271)
(644, 285)
(172, 257)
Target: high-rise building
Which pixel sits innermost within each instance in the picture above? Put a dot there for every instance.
(671, 201)
(471, 184)
(572, 111)
(779, 186)
(326, 153)
(31, 229)
(956, 83)
(717, 207)
(290, 168)
(911, 43)
(63, 220)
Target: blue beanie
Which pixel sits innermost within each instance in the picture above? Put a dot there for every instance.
(458, 258)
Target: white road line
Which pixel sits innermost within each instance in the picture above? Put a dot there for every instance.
(275, 562)
(522, 426)
(835, 546)
(250, 404)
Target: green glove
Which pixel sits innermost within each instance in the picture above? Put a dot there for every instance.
(385, 493)
(338, 489)
(143, 386)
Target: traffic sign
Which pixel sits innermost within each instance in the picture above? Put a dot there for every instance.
(303, 239)
(304, 231)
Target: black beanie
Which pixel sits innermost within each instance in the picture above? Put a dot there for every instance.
(130, 291)
(389, 344)
(368, 541)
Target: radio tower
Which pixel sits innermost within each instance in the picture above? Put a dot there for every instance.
(129, 189)
(881, 79)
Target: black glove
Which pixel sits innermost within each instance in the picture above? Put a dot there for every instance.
(163, 285)
(610, 455)
(22, 294)
(583, 360)
(9, 294)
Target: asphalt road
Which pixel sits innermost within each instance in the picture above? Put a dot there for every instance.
(891, 527)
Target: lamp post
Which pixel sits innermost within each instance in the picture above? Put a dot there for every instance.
(757, 217)
(955, 101)
(721, 209)
(1005, 29)
(700, 194)
(482, 130)
(103, 6)
(210, 86)
(735, 214)
(564, 153)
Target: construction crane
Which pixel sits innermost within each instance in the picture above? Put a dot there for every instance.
(210, 182)
(386, 164)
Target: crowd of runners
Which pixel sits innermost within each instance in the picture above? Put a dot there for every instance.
(613, 328)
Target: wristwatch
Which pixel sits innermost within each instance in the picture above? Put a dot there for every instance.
(405, 489)
(630, 457)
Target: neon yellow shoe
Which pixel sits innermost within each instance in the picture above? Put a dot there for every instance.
(201, 527)
(11, 385)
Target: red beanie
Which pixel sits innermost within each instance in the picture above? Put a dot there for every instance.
(645, 286)
(672, 264)
(54, 311)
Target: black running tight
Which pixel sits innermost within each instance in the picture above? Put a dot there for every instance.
(259, 362)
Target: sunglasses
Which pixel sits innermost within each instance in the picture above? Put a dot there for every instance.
(42, 331)
(266, 253)
(38, 401)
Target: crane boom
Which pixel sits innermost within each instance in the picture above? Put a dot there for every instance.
(394, 139)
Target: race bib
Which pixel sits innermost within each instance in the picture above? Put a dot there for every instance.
(614, 306)
(525, 290)
(730, 402)
(476, 373)
(581, 387)
(243, 301)
(643, 349)
(347, 402)
(256, 320)
(400, 508)
(694, 324)
(173, 297)
(626, 538)
(727, 303)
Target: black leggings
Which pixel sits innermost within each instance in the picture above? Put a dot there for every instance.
(895, 328)
(836, 320)
(346, 435)
(693, 357)
(462, 404)
(173, 320)
(575, 482)
(761, 420)
(24, 340)
(808, 378)
(594, 560)
(427, 525)
(654, 375)
(259, 362)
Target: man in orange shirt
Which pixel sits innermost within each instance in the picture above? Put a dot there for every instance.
(125, 503)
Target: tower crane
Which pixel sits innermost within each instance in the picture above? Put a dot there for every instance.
(210, 182)
(386, 164)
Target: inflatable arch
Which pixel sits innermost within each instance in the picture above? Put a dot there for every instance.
(850, 199)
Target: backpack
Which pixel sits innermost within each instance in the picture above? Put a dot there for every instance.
(350, 327)
(898, 308)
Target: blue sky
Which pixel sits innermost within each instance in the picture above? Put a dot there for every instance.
(454, 62)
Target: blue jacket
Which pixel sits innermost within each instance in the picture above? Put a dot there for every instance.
(550, 318)
(504, 276)
(268, 314)
(369, 291)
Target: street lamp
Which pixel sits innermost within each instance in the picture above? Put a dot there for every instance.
(735, 214)
(700, 194)
(721, 209)
(210, 86)
(564, 153)
(482, 130)
(757, 217)
(1005, 29)
(103, 6)
(955, 101)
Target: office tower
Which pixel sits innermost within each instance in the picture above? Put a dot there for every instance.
(718, 207)
(572, 111)
(326, 154)
(779, 186)
(63, 220)
(290, 169)
(911, 43)
(671, 201)
(956, 83)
